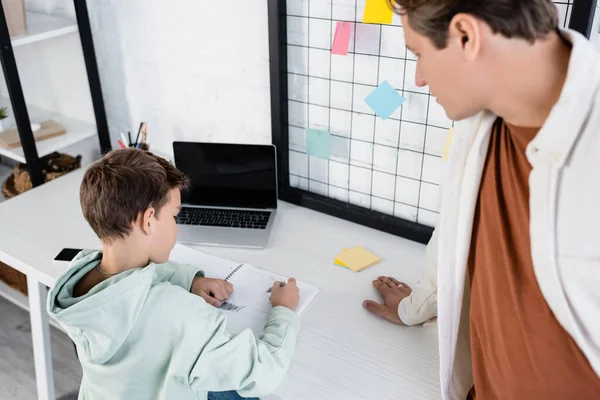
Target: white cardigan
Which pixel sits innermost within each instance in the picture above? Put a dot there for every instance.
(564, 223)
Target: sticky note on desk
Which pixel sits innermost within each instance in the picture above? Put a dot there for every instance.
(341, 40)
(356, 258)
(318, 143)
(384, 100)
(377, 12)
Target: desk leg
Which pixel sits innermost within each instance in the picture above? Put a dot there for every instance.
(40, 331)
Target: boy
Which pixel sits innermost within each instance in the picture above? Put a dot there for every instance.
(148, 329)
(516, 246)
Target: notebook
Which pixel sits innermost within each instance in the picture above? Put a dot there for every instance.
(356, 258)
(249, 305)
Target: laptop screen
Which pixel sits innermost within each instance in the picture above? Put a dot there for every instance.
(228, 175)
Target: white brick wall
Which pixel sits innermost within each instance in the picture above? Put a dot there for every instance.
(193, 69)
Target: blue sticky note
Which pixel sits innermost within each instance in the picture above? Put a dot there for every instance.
(384, 100)
(318, 143)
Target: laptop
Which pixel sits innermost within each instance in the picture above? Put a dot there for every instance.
(232, 197)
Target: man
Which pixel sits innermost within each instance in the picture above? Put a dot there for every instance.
(517, 247)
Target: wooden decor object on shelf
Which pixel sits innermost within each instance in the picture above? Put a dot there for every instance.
(54, 165)
(49, 129)
(16, 18)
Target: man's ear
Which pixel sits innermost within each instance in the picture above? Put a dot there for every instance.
(465, 34)
(147, 220)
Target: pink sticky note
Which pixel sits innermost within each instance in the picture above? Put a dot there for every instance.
(341, 40)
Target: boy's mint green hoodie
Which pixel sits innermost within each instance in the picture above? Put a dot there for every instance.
(142, 335)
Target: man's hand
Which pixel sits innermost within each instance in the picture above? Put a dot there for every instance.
(214, 291)
(392, 292)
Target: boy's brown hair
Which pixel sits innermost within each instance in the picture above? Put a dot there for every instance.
(524, 19)
(123, 184)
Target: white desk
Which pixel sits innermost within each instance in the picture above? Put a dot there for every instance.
(343, 352)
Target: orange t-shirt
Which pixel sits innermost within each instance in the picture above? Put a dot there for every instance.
(519, 350)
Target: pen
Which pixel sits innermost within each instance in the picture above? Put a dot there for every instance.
(137, 138)
(129, 137)
(282, 284)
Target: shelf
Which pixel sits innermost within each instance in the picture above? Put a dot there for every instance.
(76, 131)
(21, 301)
(14, 296)
(42, 27)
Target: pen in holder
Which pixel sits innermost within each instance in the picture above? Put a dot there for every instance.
(143, 143)
(138, 144)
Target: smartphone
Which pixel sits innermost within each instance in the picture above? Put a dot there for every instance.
(67, 255)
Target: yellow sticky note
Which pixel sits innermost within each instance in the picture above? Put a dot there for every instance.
(357, 258)
(338, 262)
(377, 12)
(341, 264)
(447, 144)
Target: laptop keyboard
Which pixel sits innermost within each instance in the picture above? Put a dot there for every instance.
(223, 218)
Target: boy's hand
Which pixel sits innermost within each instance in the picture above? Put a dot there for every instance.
(392, 292)
(286, 296)
(214, 291)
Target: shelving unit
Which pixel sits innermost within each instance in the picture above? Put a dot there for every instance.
(75, 131)
(14, 296)
(42, 27)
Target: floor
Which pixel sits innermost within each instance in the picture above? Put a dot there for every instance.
(17, 377)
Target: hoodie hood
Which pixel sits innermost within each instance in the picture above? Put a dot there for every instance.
(100, 321)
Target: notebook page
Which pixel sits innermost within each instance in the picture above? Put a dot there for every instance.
(252, 289)
(249, 305)
(213, 267)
